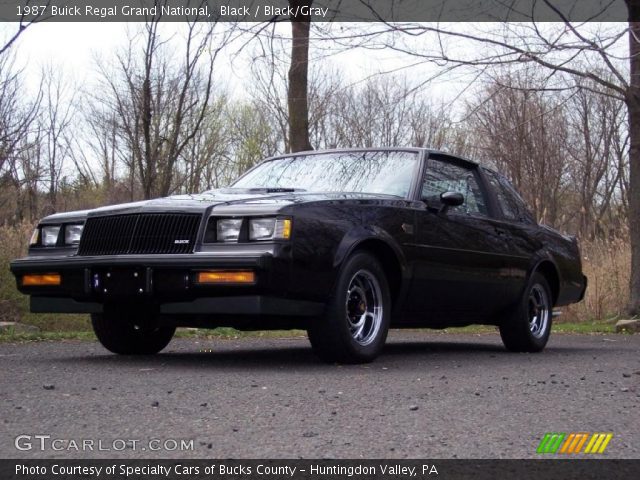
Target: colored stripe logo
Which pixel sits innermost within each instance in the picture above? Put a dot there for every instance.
(572, 443)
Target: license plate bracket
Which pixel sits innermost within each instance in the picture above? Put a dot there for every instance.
(117, 281)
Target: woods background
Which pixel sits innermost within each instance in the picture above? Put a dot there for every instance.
(549, 107)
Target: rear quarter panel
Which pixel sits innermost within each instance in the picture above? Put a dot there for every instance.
(535, 245)
(565, 253)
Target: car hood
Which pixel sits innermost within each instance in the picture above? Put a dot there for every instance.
(224, 201)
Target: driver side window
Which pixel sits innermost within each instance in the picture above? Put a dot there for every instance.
(442, 176)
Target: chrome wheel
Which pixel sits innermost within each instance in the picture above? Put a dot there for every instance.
(356, 318)
(364, 309)
(539, 311)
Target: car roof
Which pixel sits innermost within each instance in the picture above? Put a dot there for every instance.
(377, 149)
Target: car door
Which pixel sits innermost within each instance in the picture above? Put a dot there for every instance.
(520, 226)
(458, 273)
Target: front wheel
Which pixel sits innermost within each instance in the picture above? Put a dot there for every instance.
(527, 327)
(130, 334)
(356, 321)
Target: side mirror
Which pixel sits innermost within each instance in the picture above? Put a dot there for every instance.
(450, 199)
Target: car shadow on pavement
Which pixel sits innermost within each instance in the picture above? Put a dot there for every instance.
(426, 347)
(290, 356)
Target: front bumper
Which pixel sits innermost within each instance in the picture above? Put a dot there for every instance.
(167, 283)
(240, 305)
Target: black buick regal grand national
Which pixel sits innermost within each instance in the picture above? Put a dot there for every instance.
(345, 244)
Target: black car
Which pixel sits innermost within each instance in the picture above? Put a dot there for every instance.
(342, 243)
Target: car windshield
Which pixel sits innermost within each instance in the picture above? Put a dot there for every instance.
(386, 172)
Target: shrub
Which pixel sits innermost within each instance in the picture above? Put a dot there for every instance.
(607, 264)
(14, 307)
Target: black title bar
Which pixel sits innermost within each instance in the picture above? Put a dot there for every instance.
(318, 11)
(149, 469)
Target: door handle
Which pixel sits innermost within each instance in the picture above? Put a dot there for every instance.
(501, 231)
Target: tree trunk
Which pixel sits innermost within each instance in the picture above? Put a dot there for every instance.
(633, 105)
(298, 72)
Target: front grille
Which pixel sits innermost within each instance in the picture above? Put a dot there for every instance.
(147, 233)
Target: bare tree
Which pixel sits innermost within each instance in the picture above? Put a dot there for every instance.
(298, 79)
(16, 114)
(381, 111)
(160, 103)
(269, 81)
(27, 172)
(522, 132)
(31, 12)
(18, 133)
(55, 119)
(94, 149)
(204, 158)
(598, 160)
(253, 137)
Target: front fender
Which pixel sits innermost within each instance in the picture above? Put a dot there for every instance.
(360, 235)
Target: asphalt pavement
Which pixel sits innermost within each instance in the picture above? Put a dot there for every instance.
(430, 395)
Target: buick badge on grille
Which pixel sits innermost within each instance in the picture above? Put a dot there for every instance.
(181, 242)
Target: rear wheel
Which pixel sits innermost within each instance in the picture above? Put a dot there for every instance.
(356, 321)
(130, 334)
(528, 325)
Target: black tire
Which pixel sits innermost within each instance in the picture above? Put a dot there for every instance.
(527, 326)
(126, 334)
(356, 320)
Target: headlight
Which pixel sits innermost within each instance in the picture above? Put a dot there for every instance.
(269, 228)
(261, 228)
(50, 235)
(72, 234)
(228, 230)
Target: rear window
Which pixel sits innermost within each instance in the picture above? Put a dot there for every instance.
(511, 203)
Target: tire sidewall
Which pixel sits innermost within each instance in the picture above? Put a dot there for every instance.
(337, 314)
(538, 343)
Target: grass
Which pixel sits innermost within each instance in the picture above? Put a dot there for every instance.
(12, 337)
(567, 327)
(230, 333)
(219, 333)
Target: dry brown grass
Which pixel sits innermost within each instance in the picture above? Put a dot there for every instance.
(13, 244)
(14, 240)
(607, 264)
(14, 307)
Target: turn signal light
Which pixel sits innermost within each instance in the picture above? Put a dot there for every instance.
(46, 279)
(284, 228)
(226, 277)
